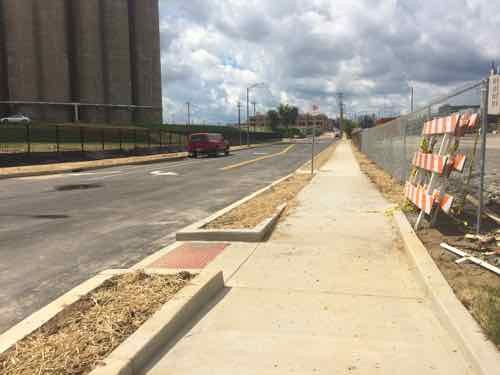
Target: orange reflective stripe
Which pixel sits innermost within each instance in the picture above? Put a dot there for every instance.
(430, 162)
(442, 125)
(419, 197)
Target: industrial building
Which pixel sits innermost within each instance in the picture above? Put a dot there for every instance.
(99, 52)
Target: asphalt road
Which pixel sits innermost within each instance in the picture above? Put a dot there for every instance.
(57, 231)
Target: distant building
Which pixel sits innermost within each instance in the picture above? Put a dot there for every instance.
(306, 123)
(87, 51)
(260, 122)
(448, 109)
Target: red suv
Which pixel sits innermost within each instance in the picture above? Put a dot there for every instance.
(207, 143)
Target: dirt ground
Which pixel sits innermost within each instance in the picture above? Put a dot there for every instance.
(262, 207)
(477, 288)
(81, 336)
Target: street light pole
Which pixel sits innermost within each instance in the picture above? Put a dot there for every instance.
(248, 108)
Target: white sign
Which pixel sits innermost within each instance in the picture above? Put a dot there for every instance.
(494, 95)
(315, 110)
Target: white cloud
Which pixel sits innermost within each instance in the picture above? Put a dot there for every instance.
(306, 50)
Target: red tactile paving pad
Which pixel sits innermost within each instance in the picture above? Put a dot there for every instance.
(190, 256)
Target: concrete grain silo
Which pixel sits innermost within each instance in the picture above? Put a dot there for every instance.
(3, 62)
(52, 42)
(87, 61)
(117, 64)
(22, 58)
(156, 116)
(144, 21)
(81, 51)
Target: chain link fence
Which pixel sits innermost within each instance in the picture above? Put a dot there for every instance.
(392, 145)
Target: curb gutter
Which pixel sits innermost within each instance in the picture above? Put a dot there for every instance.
(457, 320)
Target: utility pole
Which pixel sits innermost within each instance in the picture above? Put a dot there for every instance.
(254, 103)
(188, 104)
(239, 121)
(248, 116)
(340, 100)
(412, 99)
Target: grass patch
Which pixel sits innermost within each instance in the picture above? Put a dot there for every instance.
(487, 312)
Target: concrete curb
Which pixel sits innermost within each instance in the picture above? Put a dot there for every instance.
(480, 352)
(62, 168)
(42, 316)
(194, 228)
(134, 354)
(108, 163)
(216, 215)
(257, 234)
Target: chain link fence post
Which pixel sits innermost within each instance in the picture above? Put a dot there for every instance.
(82, 138)
(58, 139)
(28, 138)
(484, 132)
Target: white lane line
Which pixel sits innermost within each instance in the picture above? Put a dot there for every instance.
(162, 173)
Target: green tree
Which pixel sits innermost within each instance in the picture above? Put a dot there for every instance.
(348, 126)
(366, 122)
(274, 119)
(288, 115)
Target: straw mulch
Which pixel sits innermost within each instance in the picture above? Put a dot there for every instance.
(262, 207)
(85, 333)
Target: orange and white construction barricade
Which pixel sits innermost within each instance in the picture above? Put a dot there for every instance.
(426, 186)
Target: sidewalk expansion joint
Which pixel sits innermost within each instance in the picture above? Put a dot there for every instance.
(329, 292)
(242, 263)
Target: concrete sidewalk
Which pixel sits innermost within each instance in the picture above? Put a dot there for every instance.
(331, 293)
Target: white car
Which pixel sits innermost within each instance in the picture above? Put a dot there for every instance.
(15, 119)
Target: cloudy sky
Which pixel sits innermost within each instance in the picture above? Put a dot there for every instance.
(308, 50)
